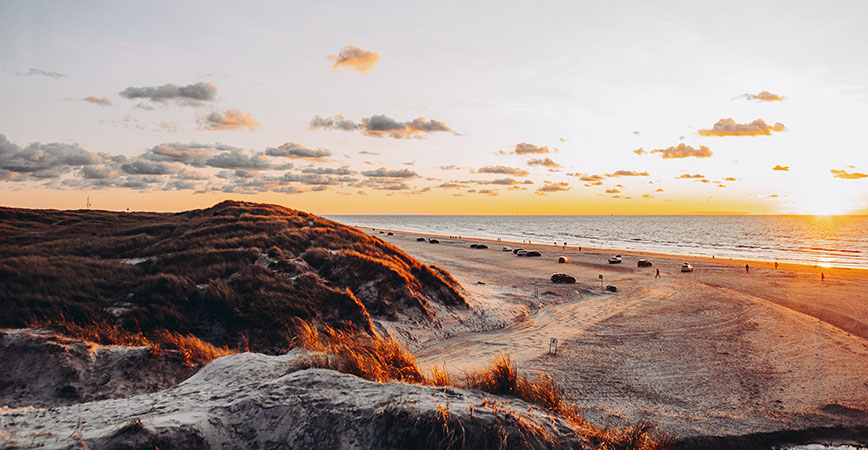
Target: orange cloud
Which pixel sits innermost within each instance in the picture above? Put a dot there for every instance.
(547, 162)
(355, 58)
(687, 175)
(764, 96)
(553, 187)
(683, 151)
(503, 170)
(527, 149)
(848, 176)
(229, 120)
(781, 168)
(640, 151)
(627, 173)
(728, 127)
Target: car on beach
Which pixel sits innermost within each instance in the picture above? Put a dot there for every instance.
(533, 253)
(563, 278)
(481, 246)
(507, 249)
(644, 263)
(420, 239)
(615, 259)
(390, 234)
(687, 267)
(433, 241)
(521, 252)
(473, 245)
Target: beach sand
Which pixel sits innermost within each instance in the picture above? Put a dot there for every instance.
(714, 352)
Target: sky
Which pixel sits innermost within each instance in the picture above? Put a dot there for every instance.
(574, 107)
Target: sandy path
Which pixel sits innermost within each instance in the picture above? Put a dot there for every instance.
(712, 352)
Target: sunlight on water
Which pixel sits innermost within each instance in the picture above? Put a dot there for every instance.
(827, 241)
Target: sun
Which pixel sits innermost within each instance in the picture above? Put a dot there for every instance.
(823, 200)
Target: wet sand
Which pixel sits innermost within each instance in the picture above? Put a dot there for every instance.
(714, 352)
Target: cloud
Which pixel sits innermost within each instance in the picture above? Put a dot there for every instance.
(627, 173)
(847, 175)
(42, 73)
(380, 125)
(729, 179)
(329, 170)
(586, 177)
(528, 149)
(44, 160)
(728, 127)
(503, 170)
(237, 159)
(450, 167)
(640, 151)
(547, 162)
(145, 167)
(190, 94)
(382, 172)
(293, 150)
(101, 101)
(689, 176)
(168, 126)
(647, 196)
(451, 185)
(683, 151)
(613, 191)
(764, 96)
(365, 152)
(229, 120)
(191, 154)
(506, 182)
(355, 58)
(490, 192)
(782, 168)
(96, 172)
(553, 187)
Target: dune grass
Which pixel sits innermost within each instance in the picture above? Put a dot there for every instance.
(383, 359)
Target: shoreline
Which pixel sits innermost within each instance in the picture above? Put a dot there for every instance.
(829, 271)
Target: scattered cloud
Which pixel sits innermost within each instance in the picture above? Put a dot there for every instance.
(613, 191)
(503, 170)
(44, 160)
(728, 127)
(548, 186)
(382, 172)
(547, 162)
(848, 175)
(640, 151)
(101, 101)
(647, 196)
(380, 125)
(683, 151)
(450, 167)
(237, 159)
(365, 152)
(329, 170)
(42, 73)
(764, 96)
(627, 173)
(452, 185)
(689, 176)
(293, 150)
(145, 167)
(191, 154)
(729, 179)
(229, 120)
(355, 58)
(528, 149)
(781, 168)
(168, 126)
(190, 94)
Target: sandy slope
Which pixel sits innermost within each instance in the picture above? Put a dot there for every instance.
(713, 352)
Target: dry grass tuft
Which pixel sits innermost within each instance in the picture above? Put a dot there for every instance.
(371, 357)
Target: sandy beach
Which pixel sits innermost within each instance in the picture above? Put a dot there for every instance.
(714, 352)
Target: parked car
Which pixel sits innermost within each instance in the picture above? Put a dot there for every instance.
(390, 234)
(611, 288)
(433, 241)
(507, 249)
(533, 253)
(644, 263)
(518, 250)
(562, 259)
(521, 252)
(615, 259)
(687, 267)
(420, 239)
(472, 245)
(481, 246)
(563, 278)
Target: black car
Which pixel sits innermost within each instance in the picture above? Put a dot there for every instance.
(433, 241)
(533, 253)
(644, 263)
(481, 246)
(420, 239)
(473, 245)
(563, 278)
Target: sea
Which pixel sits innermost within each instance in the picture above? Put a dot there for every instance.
(826, 241)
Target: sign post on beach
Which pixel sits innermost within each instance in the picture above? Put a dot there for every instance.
(553, 346)
(601, 282)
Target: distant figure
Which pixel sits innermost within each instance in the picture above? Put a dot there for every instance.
(565, 245)
(580, 249)
(776, 264)
(747, 268)
(822, 276)
(712, 256)
(658, 274)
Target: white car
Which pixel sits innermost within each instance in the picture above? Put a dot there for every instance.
(687, 267)
(507, 249)
(615, 259)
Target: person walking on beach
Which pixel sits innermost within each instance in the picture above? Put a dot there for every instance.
(822, 276)
(658, 274)
(747, 268)
(776, 264)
